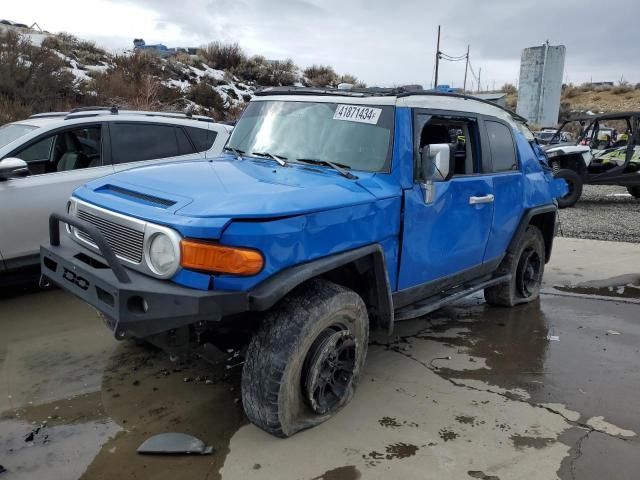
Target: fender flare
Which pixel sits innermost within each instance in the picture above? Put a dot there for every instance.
(270, 291)
(525, 221)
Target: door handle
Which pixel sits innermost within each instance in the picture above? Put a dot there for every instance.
(485, 199)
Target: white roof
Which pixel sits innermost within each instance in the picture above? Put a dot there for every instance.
(430, 101)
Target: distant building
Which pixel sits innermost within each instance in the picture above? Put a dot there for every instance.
(161, 49)
(540, 86)
(499, 98)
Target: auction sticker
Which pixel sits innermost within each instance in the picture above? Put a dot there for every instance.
(357, 113)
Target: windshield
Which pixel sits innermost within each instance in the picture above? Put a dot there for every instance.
(13, 131)
(355, 136)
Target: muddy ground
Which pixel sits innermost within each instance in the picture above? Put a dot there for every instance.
(548, 390)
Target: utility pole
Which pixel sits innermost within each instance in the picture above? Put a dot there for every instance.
(435, 82)
(466, 67)
(479, 83)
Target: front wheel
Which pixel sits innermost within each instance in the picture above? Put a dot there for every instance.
(303, 364)
(574, 182)
(634, 191)
(526, 266)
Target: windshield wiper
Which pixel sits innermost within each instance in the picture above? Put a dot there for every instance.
(338, 167)
(238, 153)
(278, 158)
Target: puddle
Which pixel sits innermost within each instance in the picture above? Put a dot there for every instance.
(349, 472)
(523, 441)
(85, 402)
(622, 286)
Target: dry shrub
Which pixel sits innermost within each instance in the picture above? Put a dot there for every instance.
(12, 110)
(320, 76)
(348, 78)
(267, 73)
(203, 94)
(32, 79)
(222, 56)
(596, 98)
(282, 72)
(84, 51)
(620, 89)
(509, 88)
(134, 81)
(570, 92)
(235, 112)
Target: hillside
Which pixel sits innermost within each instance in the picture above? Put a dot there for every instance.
(600, 99)
(42, 72)
(588, 98)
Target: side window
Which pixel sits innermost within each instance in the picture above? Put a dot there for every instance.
(134, 142)
(66, 150)
(39, 152)
(184, 145)
(460, 135)
(201, 138)
(503, 151)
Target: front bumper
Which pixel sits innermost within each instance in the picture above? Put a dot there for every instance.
(133, 304)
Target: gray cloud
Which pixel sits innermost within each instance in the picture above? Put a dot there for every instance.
(383, 42)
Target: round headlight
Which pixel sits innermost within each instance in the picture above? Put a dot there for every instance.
(163, 258)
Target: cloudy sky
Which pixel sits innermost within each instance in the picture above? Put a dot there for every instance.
(383, 42)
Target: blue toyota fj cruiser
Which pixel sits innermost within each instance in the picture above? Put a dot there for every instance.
(330, 211)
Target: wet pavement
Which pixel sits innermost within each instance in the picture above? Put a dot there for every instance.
(547, 390)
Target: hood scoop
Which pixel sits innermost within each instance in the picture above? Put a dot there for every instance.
(144, 198)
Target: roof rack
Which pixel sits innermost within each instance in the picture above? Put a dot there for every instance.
(113, 109)
(96, 111)
(377, 92)
(49, 115)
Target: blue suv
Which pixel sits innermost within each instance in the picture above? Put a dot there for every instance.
(329, 213)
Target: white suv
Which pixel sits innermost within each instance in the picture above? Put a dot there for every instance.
(45, 157)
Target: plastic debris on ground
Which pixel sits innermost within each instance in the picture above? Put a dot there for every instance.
(174, 443)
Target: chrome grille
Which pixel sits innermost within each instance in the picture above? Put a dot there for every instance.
(125, 242)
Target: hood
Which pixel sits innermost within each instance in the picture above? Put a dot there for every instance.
(227, 188)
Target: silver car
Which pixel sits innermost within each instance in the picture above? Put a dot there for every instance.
(45, 157)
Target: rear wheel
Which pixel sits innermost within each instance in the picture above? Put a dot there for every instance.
(635, 191)
(574, 182)
(526, 266)
(303, 364)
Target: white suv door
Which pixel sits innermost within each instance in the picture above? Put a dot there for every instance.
(59, 162)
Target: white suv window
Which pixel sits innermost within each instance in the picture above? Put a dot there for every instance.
(72, 149)
(135, 142)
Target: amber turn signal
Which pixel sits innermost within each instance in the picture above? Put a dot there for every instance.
(211, 257)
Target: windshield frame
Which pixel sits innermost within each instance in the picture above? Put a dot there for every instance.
(388, 161)
(28, 129)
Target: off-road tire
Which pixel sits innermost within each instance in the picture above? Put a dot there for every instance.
(513, 292)
(273, 394)
(634, 191)
(574, 180)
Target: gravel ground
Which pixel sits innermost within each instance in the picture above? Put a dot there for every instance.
(603, 213)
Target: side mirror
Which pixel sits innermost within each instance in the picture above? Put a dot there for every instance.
(12, 168)
(437, 162)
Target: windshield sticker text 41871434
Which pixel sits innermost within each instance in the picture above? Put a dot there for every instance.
(357, 113)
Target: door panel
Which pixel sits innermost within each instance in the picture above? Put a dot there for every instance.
(447, 236)
(508, 210)
(27, 203)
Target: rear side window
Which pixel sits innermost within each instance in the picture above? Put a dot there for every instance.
(184, 145)
(202, 139)
(503, 151)
(134, 142)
